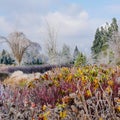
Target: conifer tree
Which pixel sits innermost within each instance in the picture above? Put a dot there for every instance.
(102, 37)
(80, 60)
(6, 58)
(75, 53)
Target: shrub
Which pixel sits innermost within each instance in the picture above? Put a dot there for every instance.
(80, 60)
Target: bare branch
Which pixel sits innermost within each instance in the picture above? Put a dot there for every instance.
(114, 46)
(51, 42)
(3, 39)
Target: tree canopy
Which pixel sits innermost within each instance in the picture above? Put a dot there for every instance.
(102, 37)
(18, 44)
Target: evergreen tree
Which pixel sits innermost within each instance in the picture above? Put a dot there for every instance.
(5, 58)
(75, 53)
(66, 50)
(102, 37)
(97, 42)
(80, 60)
(65, 54)
(114, 25)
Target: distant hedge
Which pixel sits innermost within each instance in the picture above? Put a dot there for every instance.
(34, 69)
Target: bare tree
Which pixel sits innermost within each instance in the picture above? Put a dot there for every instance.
(114, 46)
(51, 42)
(104, 57)
(18, 43)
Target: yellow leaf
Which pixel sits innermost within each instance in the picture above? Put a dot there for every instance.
(100, 118)
(118, 108)
(96, 81)
(46, 113)
(44, 116)
(63, 114)
(44, 107)
(110, 82)
(88, 93)
(108, 89)
(69, 77)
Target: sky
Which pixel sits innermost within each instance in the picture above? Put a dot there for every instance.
(74, 20)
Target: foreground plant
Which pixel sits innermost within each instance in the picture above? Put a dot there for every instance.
(87, 93)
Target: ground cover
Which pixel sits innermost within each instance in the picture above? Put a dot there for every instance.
(76, 93)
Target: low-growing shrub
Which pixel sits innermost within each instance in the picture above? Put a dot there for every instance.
(86, 93)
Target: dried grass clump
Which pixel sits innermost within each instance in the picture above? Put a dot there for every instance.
(18, 78)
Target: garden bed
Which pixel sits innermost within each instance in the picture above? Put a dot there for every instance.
(86, 93)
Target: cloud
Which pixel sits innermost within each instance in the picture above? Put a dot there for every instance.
(72, 30)
(5, 26)
(71, 9)
(69, 25)
(75, 27)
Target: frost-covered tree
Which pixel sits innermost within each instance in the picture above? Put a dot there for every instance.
(18, 44)
(65, 55)
(51, 43)
(114, 47)
(75, 53)
(32, 55)
(6, 58)
(102, 38)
